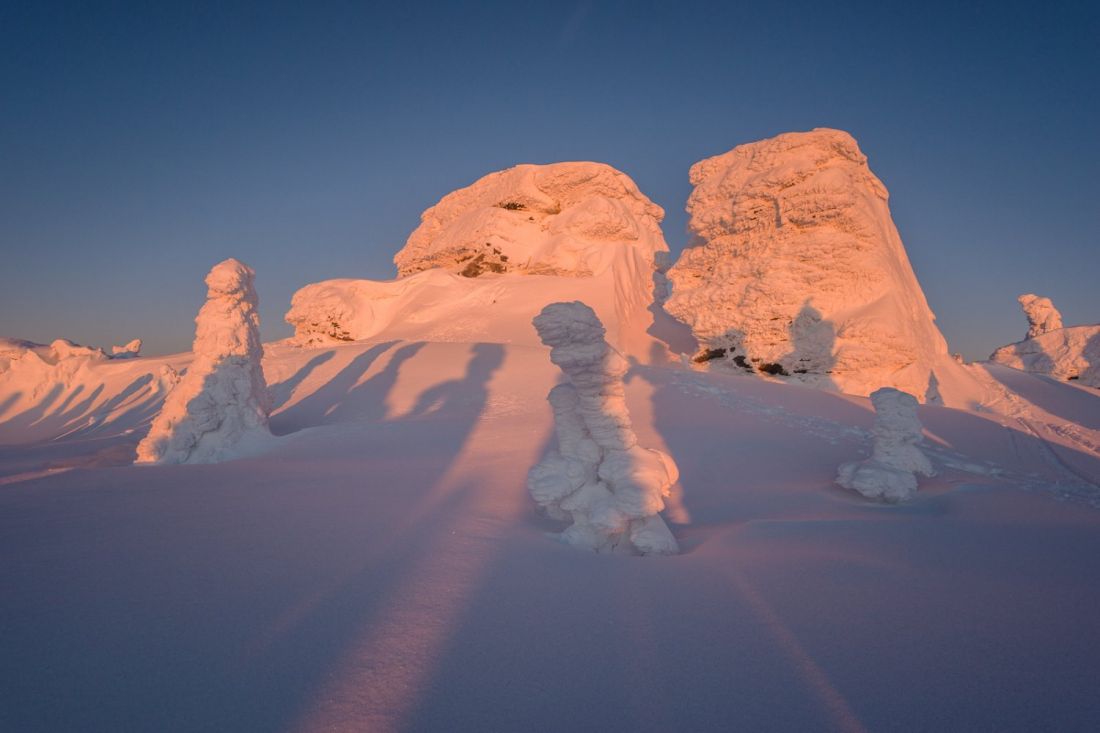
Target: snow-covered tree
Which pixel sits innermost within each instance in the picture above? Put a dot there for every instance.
(599, 476)
(1042, 316)
(219, 409)
(889, 474)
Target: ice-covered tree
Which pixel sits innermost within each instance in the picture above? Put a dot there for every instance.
(1042, 316)
(599, 476)
(219, 410)
(890, 473)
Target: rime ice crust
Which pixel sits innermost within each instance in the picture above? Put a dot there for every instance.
(557, 219)
(1042, 316)
(599, 476)
(889, 475)
(1069, 353)
(799, 270)
(496, 252)
(219, 408)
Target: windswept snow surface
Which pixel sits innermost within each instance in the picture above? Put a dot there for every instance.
(1071, 353)
(798, 270)
(219, 409)
(384, 569)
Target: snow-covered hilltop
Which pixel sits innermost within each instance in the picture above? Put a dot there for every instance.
(1069, 353)
(798, 270)
(496, 252)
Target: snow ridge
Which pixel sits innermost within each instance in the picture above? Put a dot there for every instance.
(611, 487)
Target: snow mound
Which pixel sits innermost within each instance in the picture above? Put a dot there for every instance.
(889, 474)
(488, 257)
(558, 219)
(61, 353)
(611, 487)
(1070, 353)
(219, 409)
(1042, 316)
(129, 351)
(798, 270)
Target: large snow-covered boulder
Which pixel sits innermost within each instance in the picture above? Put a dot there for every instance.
(219, 410)
(1070, 353)
(487, 257)
(797, 269)
(1042, 316)
(599, 476)
(890, 474)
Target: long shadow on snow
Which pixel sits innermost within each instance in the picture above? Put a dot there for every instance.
(228, 595)
(1061, 400)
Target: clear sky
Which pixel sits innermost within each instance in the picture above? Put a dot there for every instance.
(141, 143)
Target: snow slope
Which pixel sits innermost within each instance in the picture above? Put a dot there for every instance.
(798, 270)
(383, 568)
(1070, 353)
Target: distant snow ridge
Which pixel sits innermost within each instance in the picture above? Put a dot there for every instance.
(1069, 353)
(1042, 316)
(889, 474)
(610, 486)
(129, 351)
(496, 251)
(798, 270)
(220, 407)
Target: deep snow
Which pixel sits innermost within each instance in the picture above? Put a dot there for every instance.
(384, 569)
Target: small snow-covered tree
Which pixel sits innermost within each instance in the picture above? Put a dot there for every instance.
(1042, 316)
(220, 407)
(889, 474)
(599, 476)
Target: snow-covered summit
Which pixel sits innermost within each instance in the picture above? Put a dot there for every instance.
(489, 256)
(556, 219)
(797, 269)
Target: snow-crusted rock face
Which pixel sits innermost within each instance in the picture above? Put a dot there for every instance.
(611, 487)
(797, 269)
(1071, 353)
(219, 409)
(890, 473)
(488, 257)
(557, 219)
(1042, 316)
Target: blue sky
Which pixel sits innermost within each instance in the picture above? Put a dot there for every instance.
(139, 145)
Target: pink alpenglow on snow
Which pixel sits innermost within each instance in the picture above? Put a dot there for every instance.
(611, 487)
(219, 409)
(890, 473)
(129, 351)
(798, 270)
(1042, 316)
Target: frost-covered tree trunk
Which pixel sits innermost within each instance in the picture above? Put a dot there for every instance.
(1042, 316)
(219, 409)
(889, 474)
(611, 487)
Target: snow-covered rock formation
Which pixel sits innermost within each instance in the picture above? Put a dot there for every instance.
(60, 355)
(1042, 316)
(497, 251)
(611, 487)
(219, 409)
(129, 351)
(1070, 353)
(889, 474)
(797, 270)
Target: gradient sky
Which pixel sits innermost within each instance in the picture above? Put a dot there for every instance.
(141, 144)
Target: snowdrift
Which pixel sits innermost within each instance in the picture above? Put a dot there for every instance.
(797, 270)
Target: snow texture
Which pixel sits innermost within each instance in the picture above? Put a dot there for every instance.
(129, 351)
(797, 269)
(559, 219)
(599, 476)
(889, 474)
(1070, 353)
(500, 249)
(219, 409)
(1042, 316)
